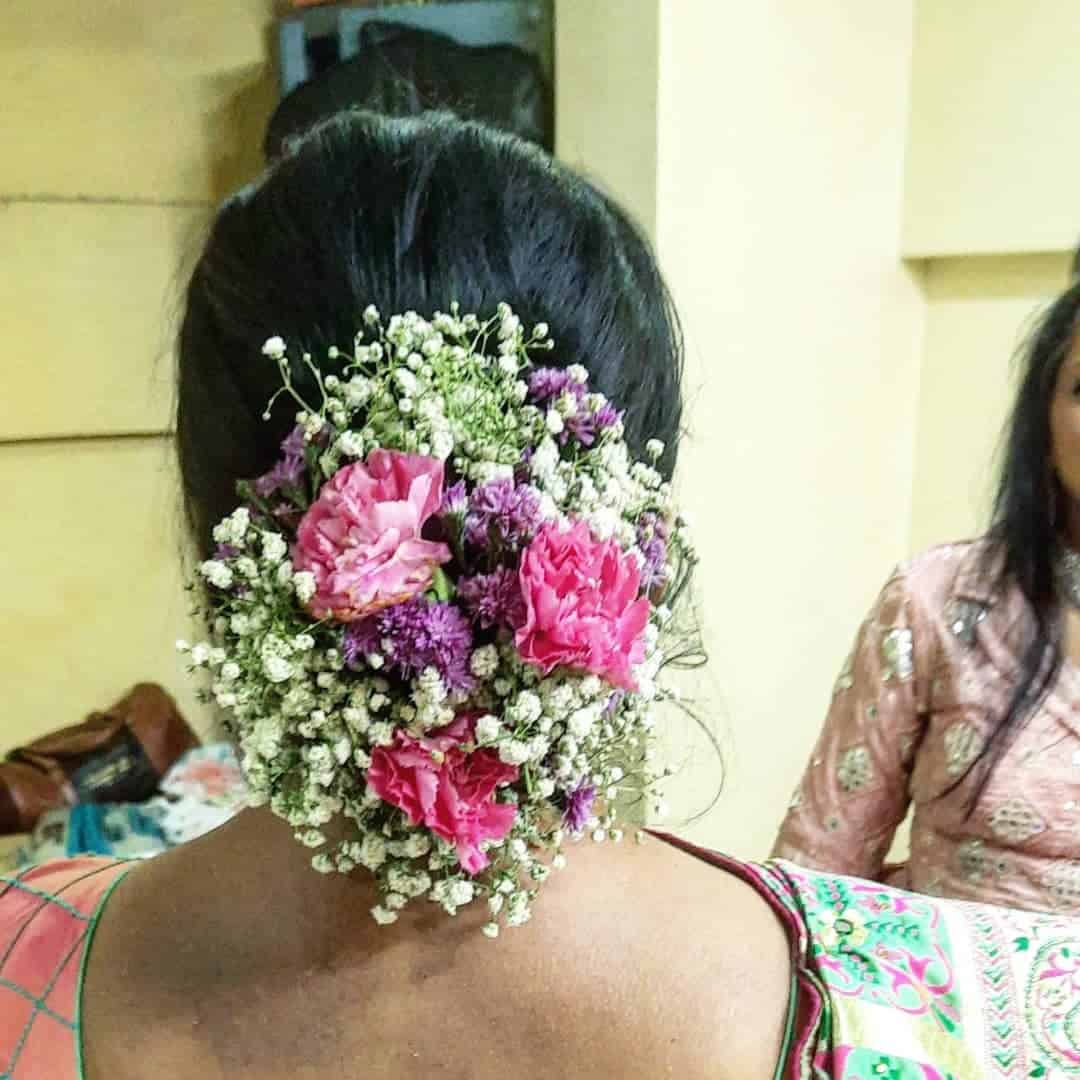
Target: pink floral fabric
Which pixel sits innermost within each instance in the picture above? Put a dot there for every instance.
(931, 671)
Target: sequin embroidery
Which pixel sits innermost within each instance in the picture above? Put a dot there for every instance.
(854, 770)
(1015, 821)
(963, 744)
(974, 862)
(963, 616)
(1062, 882)
(896, 655)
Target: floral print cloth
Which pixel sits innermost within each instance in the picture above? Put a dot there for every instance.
(893, 985)
(200, 792)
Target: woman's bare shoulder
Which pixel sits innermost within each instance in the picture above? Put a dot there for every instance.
(639, 961)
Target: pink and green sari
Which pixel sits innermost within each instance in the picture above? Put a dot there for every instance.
(890, 985)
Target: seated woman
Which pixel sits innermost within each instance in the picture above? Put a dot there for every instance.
(438, 621)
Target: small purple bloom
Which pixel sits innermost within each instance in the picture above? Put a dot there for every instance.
(582, 425)
(455, 500)
(606, 416)
(287, 471)
(613, 703)
(579, 807)
(654, 572)
(413, 636)
(225, 551)
(502, 511)
(549, 384)
(293, 444)
(360, 639)
(494, 599)
(652, 540)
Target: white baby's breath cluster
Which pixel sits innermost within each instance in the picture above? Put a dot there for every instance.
(307, 721)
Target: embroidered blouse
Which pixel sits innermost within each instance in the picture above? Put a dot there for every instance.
(929, 677)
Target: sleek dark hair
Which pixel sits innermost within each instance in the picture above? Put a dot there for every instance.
(1024, 524)
(409, 215)
(406, 71)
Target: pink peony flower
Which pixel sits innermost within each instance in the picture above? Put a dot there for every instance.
(582, 605)
(361, 536)
(437, 784)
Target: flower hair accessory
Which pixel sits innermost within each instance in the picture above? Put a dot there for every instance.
(436, 621)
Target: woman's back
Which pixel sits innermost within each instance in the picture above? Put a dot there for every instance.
(220, 960)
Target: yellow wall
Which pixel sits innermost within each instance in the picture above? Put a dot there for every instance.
(121, 125)
(845, 406)
(780, 135)
(993, 164)
(978, 313)
(606, 98)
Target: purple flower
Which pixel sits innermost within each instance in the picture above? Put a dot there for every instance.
(582, 425)
(413, 636)
(606, 416)
(225, 551)
(613, 703)
(652, 540)
(293, 444)
(455, 500)
(579, 807)
(494, 599)
(549, 384)
(288, 470)
(502, 512)
(654, 572)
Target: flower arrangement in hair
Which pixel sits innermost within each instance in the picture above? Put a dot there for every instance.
(438, 617)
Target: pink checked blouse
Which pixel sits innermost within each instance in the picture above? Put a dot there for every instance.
(931, 671)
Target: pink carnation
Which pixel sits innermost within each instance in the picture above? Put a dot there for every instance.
(437, 784)
(583, 608)
(361, 536)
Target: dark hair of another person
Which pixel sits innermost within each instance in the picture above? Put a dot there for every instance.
(409, 215)
(403, 71)
(1025, 523)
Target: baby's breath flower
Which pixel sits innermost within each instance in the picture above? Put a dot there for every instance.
(304, 584)
(488, 729)
(217, 573)
(274, 347)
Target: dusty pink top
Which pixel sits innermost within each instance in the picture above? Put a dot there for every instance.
(931, 672)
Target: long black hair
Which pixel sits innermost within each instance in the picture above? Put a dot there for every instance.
(1024, 526)
(410, 215)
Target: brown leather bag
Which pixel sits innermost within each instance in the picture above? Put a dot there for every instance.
(118, 755)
